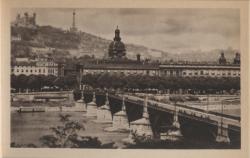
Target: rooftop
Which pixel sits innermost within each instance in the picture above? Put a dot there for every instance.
(24, 63)
(119, 66)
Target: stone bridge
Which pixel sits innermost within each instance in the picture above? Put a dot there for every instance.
(160, 118)
(192, 122)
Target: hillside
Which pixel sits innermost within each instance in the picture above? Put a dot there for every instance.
(76, 44)
(91, 44)
(71, 45)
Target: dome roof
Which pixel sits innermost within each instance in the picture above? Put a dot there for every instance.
(117, 46)
(117, 30)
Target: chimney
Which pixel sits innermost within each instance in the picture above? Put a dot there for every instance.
(138, 57)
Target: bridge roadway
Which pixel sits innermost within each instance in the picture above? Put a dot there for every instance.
(210, 117)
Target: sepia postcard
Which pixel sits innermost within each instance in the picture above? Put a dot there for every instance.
(125, 79)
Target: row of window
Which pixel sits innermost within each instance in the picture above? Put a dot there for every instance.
(34, 70)
(33, 66)
(213, 74)
(204, 74)
(94, 72)
(51, 71)
(170, 73)
(31, 71)
(46, 64)
(148, 72)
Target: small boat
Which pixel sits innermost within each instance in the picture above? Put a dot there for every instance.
(31, 109)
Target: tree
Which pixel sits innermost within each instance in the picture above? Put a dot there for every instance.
(49, 80)
(173, 83)
(59, 81)
(14, 81)
(70, 81)
(40, 81)
(32, 82)
(67, 136)
(22, 81)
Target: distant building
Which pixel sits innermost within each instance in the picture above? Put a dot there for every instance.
(162, 70)
(201, 70)
(25, 21)
(41, 66)
(22, 59)
(41, 50)
(117, 48)
(119, 69)
(118, 64)
(16, 38)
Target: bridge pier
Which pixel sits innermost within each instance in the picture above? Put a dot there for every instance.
(103, 113)
(173, 133)
(31, 97)
(141, 127)
(222, 133)
(80, 105)
(120, 120)
(176, 123)
(92, 107)
(71, 96)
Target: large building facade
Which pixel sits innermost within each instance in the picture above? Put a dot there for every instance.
(41, 66)
(205, 70)
(162, 70)
(119, 69)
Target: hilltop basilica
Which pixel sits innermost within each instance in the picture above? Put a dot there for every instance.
(25, 21)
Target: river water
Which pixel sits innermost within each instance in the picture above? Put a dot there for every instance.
(27, 128)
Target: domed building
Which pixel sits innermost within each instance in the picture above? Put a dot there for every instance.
(117, 48)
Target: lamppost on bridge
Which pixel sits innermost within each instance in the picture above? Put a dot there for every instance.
(222, 111)
(222, 133)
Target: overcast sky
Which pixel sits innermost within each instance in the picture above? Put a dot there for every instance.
(171, 30)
